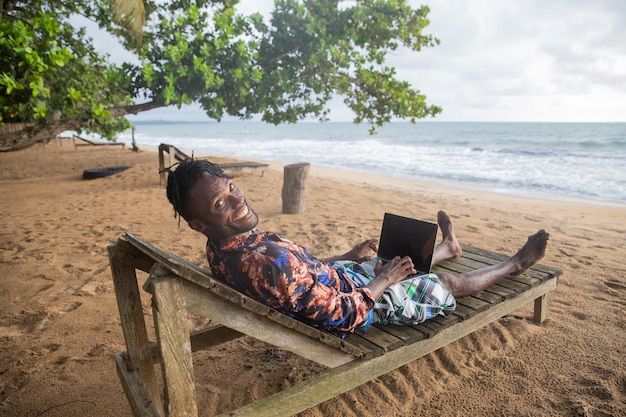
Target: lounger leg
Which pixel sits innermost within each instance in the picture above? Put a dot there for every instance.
(134, 327)
(541, 309)
(172, 331)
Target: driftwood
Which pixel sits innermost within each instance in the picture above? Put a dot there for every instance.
(294, 187)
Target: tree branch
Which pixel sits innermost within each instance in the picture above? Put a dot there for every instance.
(135, 108)
(29, 135)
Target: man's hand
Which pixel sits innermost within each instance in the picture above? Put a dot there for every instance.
(359, 252)
(396, 269)
(390, 273)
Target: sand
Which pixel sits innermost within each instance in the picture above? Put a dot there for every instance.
(59, 324)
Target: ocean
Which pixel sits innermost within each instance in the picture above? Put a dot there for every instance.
(562, 161)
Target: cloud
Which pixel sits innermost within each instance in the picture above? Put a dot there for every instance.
(524, 60)
(515, 60)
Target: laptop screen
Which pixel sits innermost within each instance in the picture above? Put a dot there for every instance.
(402, 236)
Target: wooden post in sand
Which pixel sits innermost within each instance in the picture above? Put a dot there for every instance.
(294, 187)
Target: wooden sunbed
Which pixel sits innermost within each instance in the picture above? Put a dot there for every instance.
(178, 286)
(89, 142)
(176, 155)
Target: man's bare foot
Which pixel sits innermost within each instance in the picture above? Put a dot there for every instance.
(533, 250)
(447, 231)
(449, 246)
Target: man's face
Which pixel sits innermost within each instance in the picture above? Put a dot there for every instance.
(217, 207)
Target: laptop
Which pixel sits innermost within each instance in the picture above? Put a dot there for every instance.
(402, 236)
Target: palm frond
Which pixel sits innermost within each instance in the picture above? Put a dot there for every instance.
(131, 13)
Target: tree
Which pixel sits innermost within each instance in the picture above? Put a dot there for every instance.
(285, 69)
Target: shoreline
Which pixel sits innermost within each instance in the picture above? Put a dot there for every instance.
(406, 183)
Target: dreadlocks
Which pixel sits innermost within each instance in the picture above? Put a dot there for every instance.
(180, 181)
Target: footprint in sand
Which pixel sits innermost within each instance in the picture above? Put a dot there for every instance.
(70, 306)
(97, 350)
(565, 303)
(596, 389)
(615, 285)
(29, 321)
(533, 219)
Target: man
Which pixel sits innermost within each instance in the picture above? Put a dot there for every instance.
(336, 294)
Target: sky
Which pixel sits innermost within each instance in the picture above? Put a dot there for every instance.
(509, 61)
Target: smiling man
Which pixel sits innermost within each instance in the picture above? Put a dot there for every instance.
(336, 294)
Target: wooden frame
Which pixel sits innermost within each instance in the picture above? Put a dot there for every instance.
(176, 155)
(89, 142)
(177, 285)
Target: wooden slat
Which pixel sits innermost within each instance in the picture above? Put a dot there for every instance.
(489, 297)
(472, 250)
(446, 321)
(548, 270)
(407, 334)
(463, 312)
(465, 264)
(386, 341)
(206, 338)
(426, 330)
(473, 303)
(526, 279)
(501, 291)
(203, 339)
(513, 285)
(538, 271)
(367, 348)
(432, 326)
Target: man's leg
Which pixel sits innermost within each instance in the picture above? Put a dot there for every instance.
(449, 246)
(469, 283)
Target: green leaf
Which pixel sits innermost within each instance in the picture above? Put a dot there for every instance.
(40, 111)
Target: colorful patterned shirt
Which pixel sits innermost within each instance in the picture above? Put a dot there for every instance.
(283, 275)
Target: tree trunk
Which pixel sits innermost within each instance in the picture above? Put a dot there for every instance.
(29, 135)
(294, 187)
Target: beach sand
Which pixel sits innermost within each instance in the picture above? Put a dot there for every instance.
(59, 323)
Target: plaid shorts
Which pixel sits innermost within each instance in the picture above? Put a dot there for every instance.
(411, 301)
